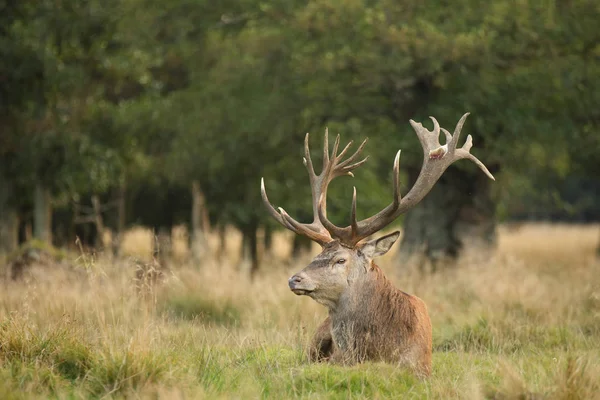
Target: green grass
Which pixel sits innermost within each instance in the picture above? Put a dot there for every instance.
(192, 306)
(61, 364)
(514, 329)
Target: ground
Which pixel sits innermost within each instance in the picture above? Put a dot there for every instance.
(523, 324)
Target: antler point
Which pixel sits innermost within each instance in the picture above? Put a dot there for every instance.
(416, 125)
(436, 125)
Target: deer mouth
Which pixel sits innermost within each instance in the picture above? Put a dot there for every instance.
(301, 292)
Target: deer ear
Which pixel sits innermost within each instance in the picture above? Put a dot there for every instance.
(378, 247)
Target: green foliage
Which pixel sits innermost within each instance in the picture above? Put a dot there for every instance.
(103, 92)
(59, 357)
(124, 371)
(375, 380)
(364, 69)
(507, 339)
(60, 135)
(59, 350)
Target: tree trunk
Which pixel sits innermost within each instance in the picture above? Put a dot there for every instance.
(99, 221)
(121, 214)
(250, 251)
(162, 246)
(27, 231)
(222, 232)
(200, 225)
(253, 243)
(9, 221)
(268, 240)
(42, 214)
(457, 215)
(301, 244)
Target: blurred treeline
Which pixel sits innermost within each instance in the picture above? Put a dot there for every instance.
(166, 112)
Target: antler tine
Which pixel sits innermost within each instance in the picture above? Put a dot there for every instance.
(448, 136)
(307, 160)
(326, 147)
(465, 152)
(436, 127)
(343, 152)
(396, 172)
(353, 156)
(457, 130)
(347, 169)
(336, 145)
(353, 222)
(292, 224)
(328, 173)
(270, 207)
(323, 218)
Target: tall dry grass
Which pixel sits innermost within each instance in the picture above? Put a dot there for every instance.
(523, 324)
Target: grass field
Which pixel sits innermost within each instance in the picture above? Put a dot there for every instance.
(523, 325)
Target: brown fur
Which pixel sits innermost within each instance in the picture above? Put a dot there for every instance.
(369, 318)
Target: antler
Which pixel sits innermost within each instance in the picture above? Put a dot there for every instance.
(436, 158)
(333, 166)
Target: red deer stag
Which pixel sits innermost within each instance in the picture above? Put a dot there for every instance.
(369, 319)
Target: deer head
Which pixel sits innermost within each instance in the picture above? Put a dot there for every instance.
(347, 256)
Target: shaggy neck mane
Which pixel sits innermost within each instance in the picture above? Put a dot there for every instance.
(374, 299)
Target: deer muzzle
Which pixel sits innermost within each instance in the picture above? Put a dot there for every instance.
(301, 284)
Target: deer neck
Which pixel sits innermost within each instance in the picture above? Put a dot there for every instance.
(364, 297)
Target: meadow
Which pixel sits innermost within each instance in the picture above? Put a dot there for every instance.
(523, 324)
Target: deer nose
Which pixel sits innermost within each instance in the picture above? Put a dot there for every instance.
(294, 280)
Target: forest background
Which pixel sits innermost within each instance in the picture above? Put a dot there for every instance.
(122, 113)
(137, 259)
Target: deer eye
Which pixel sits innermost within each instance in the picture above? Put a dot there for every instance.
(341, 261)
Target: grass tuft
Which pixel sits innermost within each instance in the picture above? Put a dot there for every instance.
(199, 308)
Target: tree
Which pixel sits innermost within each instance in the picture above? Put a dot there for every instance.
(364, 69)
(20, 87)
(528, 77)
(162, 105)
(62, 141)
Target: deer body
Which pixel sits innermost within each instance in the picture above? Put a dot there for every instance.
(386, 324)
(369, 318)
